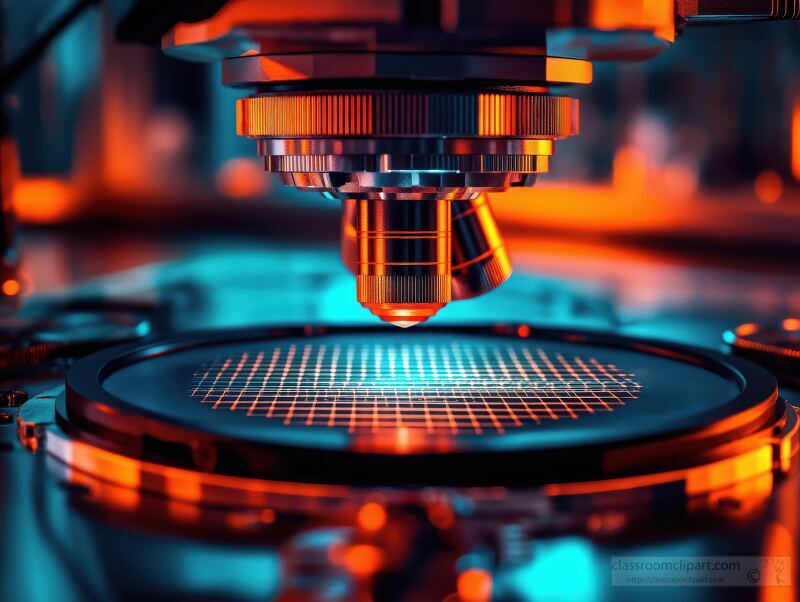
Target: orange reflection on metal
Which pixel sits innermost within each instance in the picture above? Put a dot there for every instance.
(505, 115)
(183, 485)
(730, 471)
(768, 186)
(475, 585)
(740, 500)
(786, 452)
(241, 12)
(698, 480)
(216, 488)
(11, 287)
(43, 200)
(404, 253)
(402, 440)
(656, 15)
(371, 517)
(568, 71)
(112, 496)
(621, 484)
(85, 458)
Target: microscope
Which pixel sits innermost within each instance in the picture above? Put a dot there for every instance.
(411, 112)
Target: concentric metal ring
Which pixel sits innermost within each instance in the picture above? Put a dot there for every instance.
(394, 163)
(407, 113)
(405, 146)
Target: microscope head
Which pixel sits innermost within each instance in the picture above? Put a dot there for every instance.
(410, 112)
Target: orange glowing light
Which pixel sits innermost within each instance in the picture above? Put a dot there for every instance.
(568, 70)
(241, 179)
(796, 139)
(475, 585)
(746, 329)
(183, 486)
(791, 324)
(731, 470)
(786, 452)
(372, 516)
(42, 200)
(11, 287)
(768, 186)
(363, 560)
(524, 331)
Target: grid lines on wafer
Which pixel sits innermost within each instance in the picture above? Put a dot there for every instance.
(454, 388)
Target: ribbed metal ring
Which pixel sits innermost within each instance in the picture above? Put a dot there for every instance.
(403, 289)
(405, 146)
(407, 184)
(394, 163)
(407, 113)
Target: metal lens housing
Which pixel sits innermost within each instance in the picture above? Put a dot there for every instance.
(413, 167)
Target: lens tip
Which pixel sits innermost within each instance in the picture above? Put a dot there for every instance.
(405, 323)
(404, 315)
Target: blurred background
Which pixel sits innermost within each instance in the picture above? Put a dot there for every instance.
(675, 213)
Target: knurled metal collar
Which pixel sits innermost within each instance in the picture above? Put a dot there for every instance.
(407, 113)
(428, 288)
(395, 163)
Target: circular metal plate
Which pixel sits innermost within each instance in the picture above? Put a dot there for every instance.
(440, 405)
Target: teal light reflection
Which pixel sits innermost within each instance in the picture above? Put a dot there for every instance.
(561, 570)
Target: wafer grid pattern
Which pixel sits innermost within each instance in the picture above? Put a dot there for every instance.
(457, 388)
